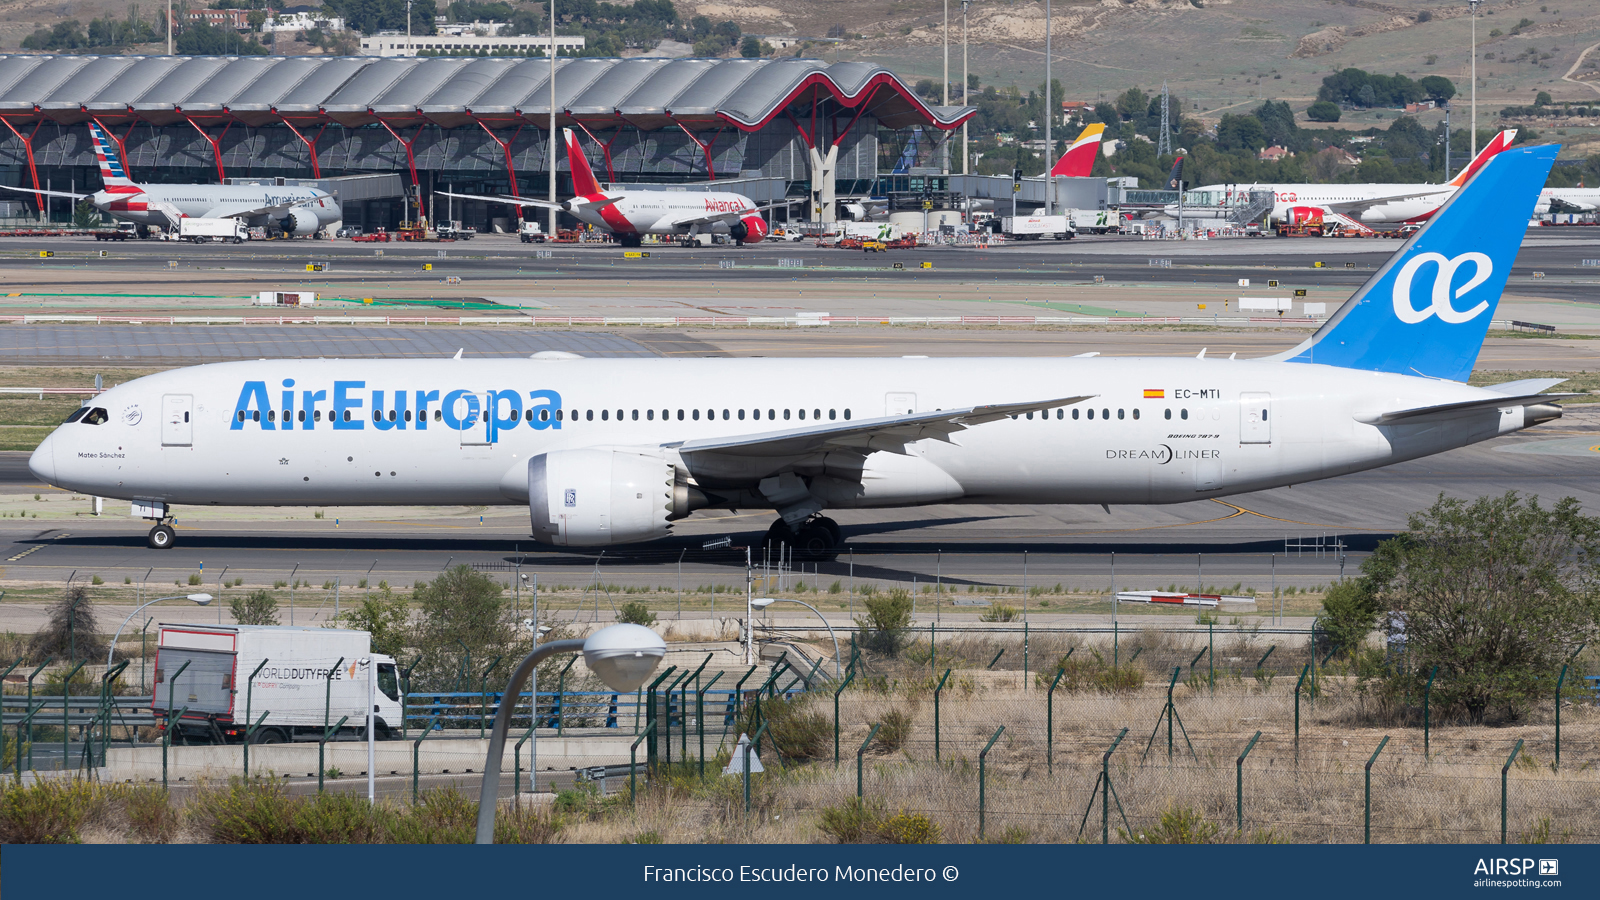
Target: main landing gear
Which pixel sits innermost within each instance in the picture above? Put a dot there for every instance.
(162, 537)
(818, 538)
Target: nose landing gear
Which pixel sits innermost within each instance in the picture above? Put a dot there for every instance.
(818, 538)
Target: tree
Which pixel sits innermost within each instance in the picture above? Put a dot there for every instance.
(384, 615)
(459, 612)
(634, 612)
(71, 632)
(1236, 132)
(1438, 88)
(1542, 99)
(1350, 610)
(84, 215)
(750, 47)
(255, 608)
(1133, 102)
(1497, 593)
(1323, 111)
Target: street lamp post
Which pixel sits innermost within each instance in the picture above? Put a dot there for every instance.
(1049, 117)
(201, 599)
(764, 602)
(966, 89)
(622, 656)
(1473, 6)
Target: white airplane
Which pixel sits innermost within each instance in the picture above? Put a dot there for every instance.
(299, 211)
(1373, 204)
(631, 215)
(1567, 200)
(613, 451)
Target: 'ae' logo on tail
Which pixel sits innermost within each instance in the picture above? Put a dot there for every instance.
(1440, 303)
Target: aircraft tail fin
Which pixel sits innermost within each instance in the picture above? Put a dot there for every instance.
(583, 181)
(1078, 161)
(1500, 142)
(111, 171)
(1426, 312)
(1175, 177)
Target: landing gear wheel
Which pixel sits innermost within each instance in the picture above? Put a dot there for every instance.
(779, 533)
(162, 537)
(832, 526)
(630, 240)
(816, 542)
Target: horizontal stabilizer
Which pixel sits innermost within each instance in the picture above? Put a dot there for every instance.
(1525, 386)
(1448, 409)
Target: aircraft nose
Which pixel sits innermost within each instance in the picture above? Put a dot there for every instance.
(43, 461)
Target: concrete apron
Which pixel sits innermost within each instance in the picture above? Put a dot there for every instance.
(437, 757)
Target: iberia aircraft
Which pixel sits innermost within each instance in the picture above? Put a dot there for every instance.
(298, 211)
(1373, 204)
(614, 451)
(632, 214)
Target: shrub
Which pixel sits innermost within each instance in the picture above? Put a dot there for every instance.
(97, 580)
(634, 612)
(1323, 111)
(1178, 825)
(893, 735)
(255, 608)
(1091, 673)
(527, 825)
(194, 579)
(796, 730)
(909, 828)
(999, 612)
(46, 812)
(72, 631)
(855, 821)
(151, 815)
(884, 628)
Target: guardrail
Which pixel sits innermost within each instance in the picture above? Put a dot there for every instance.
(580, 709)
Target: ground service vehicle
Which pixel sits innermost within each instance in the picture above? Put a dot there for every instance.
(530, 232)
(1095, 221)
(874, 246)
(204, 231)
(122, 232)
(303, 676)
(1032, 228)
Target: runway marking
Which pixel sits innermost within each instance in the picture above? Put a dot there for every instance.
(35, 548)
(1292, 521)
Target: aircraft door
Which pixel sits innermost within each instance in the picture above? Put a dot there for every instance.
(176, 428)
(899, 404)
(1255, 418)
(472, 410)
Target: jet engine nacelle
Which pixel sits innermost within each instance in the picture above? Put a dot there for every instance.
(1305, 215)
(594, 498)
(300, 222)
(748, 230)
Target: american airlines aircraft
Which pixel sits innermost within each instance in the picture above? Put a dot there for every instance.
(1374, 204)
(631, 215)
(613, 451)
(298, 211)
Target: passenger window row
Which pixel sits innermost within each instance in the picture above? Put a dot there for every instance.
(694, 415)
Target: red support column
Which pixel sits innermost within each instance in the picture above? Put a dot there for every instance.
(216, 142)
(705, 148)
(411, 160)
(311, 145)
(605, 149)
(27, 146)
(505, 148)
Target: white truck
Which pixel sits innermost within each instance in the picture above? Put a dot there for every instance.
(1096, 221)
(202, 230)
(530, 232)
(299, 677)
(1032, 228)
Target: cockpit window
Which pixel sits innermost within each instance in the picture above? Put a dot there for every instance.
(96, 416)
(76, 415)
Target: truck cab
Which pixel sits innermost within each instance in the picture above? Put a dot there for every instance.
(530, 232)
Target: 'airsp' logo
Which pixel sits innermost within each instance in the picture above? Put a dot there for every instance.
(1441, 306)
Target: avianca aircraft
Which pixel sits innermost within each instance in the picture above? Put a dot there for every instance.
(297, 210)
(632, 214)
(1373, 204)
(613, 451)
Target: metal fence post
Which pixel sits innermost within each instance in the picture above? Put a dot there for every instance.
(483, 695)
(1559, 682)
(738, 691)
(1509, 760)
(1050, 718)
(852, 677)
(1105, 795)
(683, 703)
(936, 691)
(1427, 722)
(1368, 811)
(416, 755)
(1297, 684)
(862, 752)
(322, 746)
(171, 722)
(983, 757)
(700, 719)
(32, 675)
(561, 698)
(1239, 780)
(249, 731)
(66, 693)
(633, 757)
(650, 752)
(516, 766)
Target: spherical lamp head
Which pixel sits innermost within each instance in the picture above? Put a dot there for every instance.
(624, 655)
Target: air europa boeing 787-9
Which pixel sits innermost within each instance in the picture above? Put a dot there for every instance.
(613, 451)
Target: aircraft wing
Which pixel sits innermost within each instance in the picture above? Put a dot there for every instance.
(1422, 413)
(515, 201)
(1354, 207)
(45, 193)
(889, 433)
(1559, 204)
(244, 210)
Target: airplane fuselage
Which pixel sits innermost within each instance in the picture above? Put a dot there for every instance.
(160, 204)
(410, 432)
(666, 212)
(1423, 200)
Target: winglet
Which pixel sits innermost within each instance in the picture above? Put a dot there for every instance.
(459, 352)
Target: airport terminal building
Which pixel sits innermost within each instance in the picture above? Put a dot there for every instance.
(794, 128)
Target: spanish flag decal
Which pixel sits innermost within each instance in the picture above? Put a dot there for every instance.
(1154, 393)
